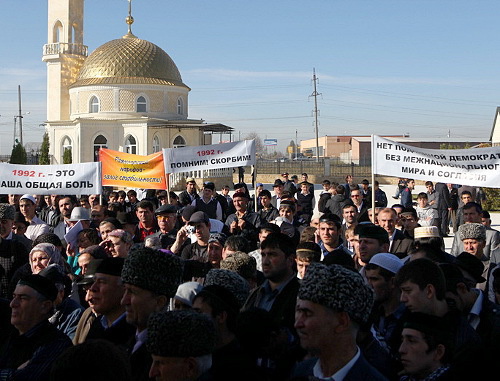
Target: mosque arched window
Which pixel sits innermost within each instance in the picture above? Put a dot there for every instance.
(131, 145)
(179, 142)
(57, 32)
(180, 106)
(66, 146)
(141, 104)
(156, 144)
(94, 104)
(99, 142)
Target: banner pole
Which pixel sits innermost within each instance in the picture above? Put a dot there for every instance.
(373, 181)
(255, 187)
(167, 178)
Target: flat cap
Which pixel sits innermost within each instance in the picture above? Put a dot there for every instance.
(166, 209)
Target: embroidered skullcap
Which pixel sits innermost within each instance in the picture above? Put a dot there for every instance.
(337, 288)
(7, 211)
(426, 232)
(153, 270)
(472, 231)
(241, 263)
(387, 261)
(231, 281)
(181, 333)
(28, 197)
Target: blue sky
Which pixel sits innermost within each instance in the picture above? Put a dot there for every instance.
(384, 67)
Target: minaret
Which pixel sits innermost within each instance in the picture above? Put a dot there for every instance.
(64, 54)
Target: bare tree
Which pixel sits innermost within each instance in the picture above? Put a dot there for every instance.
(259, 145)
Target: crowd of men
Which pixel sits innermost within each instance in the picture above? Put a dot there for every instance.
(281, 284)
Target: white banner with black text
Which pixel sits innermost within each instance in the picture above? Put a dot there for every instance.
(478, 167)
(224, 155)
(76, 179)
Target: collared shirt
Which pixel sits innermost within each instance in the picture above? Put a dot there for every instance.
(391, 238)
(340, 374)
(325, 251)
(140, 338)
(267, 296)
(104, 321)
(474, 314)
(36, 227)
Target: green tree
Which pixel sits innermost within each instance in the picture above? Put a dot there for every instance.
(18, 155)
(67, 156)
(44, 150)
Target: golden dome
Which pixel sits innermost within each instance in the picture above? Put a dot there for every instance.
(129, 60)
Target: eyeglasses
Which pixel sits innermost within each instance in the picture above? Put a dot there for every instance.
(165, 217)
(355, 195)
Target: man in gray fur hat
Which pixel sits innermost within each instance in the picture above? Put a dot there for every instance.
(472, 214)
(181, 345)
(333, 303)
(473, 238)
(151, 279)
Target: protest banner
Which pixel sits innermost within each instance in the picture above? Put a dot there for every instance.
(122, 169)
(474, 166)
(83, 178)
(226, 155)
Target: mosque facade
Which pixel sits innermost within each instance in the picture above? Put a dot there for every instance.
(127, 95)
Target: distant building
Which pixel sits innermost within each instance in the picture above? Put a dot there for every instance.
(495, 131)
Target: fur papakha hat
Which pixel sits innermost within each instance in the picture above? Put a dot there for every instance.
(181, 333)
(153, 270)
(231, 281)
(241, 263)
(339, 289)
(7, 211)
(472, 231)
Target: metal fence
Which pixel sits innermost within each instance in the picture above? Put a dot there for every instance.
(329, 168)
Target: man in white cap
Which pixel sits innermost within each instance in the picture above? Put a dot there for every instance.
(187, 196)
(388, 310)
(27, 206)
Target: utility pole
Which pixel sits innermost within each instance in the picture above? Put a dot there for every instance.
(315, 111)
(20, 116)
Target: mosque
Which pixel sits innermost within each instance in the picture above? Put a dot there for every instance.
(127, 95)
